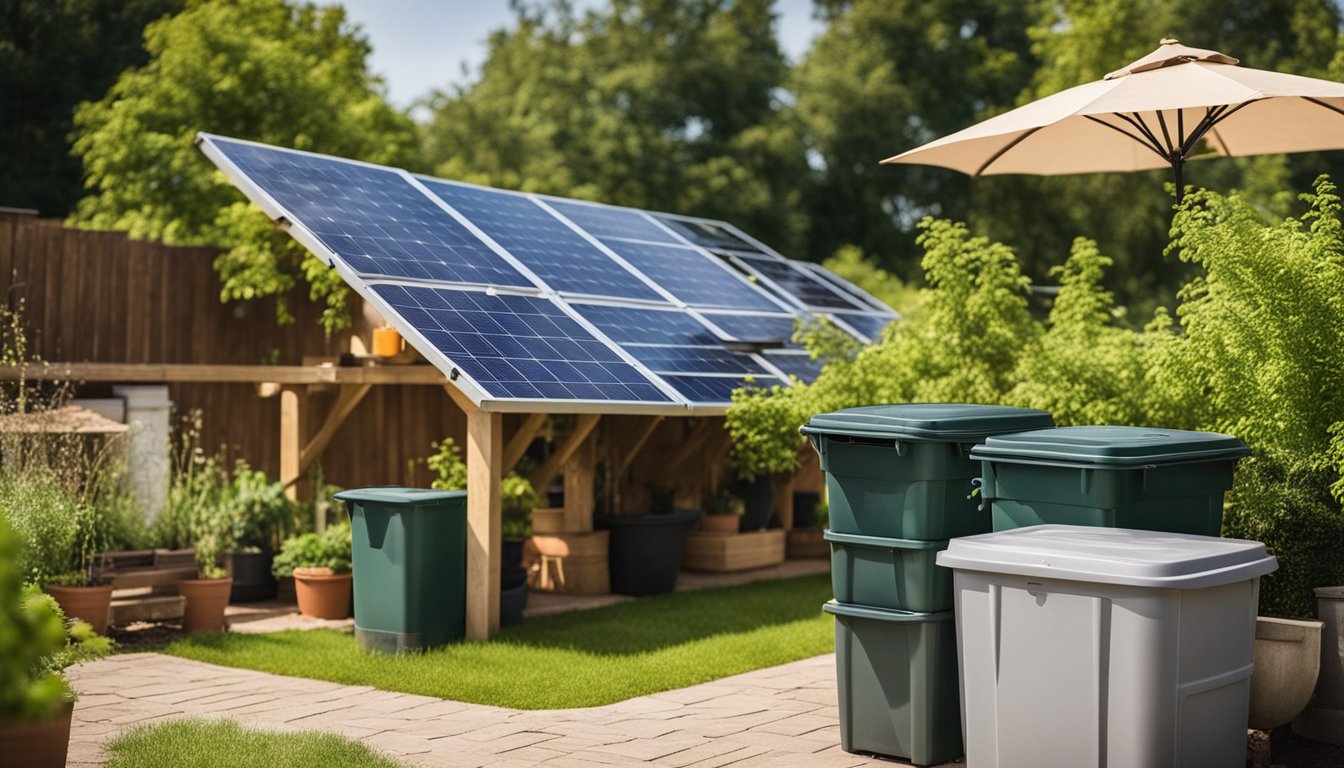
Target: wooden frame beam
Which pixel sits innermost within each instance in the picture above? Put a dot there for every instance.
(347, 398)
(517, 446)
(624, 461)
(225, 374)
(485, 451)
(584, 423)
(692, 447)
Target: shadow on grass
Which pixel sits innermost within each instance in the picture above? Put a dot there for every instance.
(636, 627)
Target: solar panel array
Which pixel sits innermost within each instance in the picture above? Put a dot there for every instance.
(537, 303)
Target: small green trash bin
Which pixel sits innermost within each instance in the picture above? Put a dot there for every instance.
(903, 472)
(897, 680)
(1141, 478)
(409, 562)
(889, 573)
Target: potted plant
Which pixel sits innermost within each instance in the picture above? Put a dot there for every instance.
(723, 513)
(260, 515)
(646, 549)
(79, 590)
(320, 565)
(36, 702)
(208, 595)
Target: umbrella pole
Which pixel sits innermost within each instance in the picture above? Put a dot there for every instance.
(1177, 171)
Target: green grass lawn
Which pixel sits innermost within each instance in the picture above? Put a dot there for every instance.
(578, 659)
(224, 744)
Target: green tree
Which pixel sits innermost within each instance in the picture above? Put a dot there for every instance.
(55, 54)
(276, 71)
(888, 75)
(664, 104)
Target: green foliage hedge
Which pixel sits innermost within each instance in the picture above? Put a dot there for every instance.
(1253, 351)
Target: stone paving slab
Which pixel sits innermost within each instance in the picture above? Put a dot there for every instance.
(778, 717)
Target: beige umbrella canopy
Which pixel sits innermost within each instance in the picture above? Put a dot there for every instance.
(1151, 114)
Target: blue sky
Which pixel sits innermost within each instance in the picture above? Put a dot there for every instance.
(419, 45)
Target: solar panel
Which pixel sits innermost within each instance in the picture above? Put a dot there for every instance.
(526, 300)
(372, 218)
(604, 222)
(557, 254)
(866, 323)
(798, 282)
(691, 276)
(706, 234)
(847, 288)
(796, 364)
(519, 346)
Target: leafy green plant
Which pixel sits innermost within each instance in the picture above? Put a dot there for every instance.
(35, 644)
(822, 515)
(329, 549)
(724, 502)
(256, 508)
(517, 496)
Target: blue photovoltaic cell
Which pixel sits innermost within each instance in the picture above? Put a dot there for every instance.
(667, 342)
(868, 324)
(707, 234)
(799, 283)
(558, 254)
(798, 365)
(691, 276)
(372, 218)
(603, 222)
(846, 288)
(519, 346)
(757, 328)
(709, 390)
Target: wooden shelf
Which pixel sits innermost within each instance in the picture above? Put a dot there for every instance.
(725, 552)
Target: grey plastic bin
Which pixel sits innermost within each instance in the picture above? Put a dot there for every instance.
(1085, 646)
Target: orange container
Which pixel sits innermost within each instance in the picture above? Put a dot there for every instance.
(386, 342)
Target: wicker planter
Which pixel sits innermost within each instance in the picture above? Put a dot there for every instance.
(323, 594)
(37, 744)
(720, 523)
(206, 600)
(548, 520)
(572, 563)
(806, 544)
(92, 604)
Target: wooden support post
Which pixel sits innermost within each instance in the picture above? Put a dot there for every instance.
(580, 470)
(485, 452)
(293, 430)
(584, 424)
(521, 439)
(349, 396)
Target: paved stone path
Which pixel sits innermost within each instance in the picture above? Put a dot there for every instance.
(781, 717)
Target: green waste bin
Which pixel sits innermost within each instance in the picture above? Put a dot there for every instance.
(1142, 478)
(889, 573)
(410, 553)
(898, 689)
(903, 472)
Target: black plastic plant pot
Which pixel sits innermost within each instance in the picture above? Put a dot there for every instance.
(758, 498)
(512, 597)
(252, 578)
(645, 554)
(805, 508)
(511, 555)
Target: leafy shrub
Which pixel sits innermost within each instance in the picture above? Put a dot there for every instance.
(329, 549)
(517, 496)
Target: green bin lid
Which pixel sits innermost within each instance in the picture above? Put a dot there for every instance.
(928, 421)
(1110, 446)
(397, 496)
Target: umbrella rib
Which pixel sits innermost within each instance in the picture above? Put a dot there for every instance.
(1126, 134)
(1320, 103)
(1136, 120)
(1166, 136)
(995, 157)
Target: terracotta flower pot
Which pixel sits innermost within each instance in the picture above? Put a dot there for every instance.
(206, 599)
(92, 604)
(37, 744)
(323, 594)
(720, 523)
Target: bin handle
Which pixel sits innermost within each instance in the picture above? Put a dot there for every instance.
(881, 442)
(978, 489)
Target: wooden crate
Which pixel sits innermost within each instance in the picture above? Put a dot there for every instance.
(807, 544)
(724, 552)
(569, 563)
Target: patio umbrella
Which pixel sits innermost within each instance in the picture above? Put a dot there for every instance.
(1151, 114)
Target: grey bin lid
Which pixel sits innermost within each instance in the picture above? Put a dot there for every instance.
(1111, 556)
(397, 496)
(1110, 446)
(948, 422)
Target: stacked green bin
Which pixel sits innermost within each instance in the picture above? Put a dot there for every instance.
(899, 481)
(409, 562)
(1167, 480)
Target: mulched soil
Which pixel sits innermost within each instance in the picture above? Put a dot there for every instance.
(144, 636)
(1288, 750)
